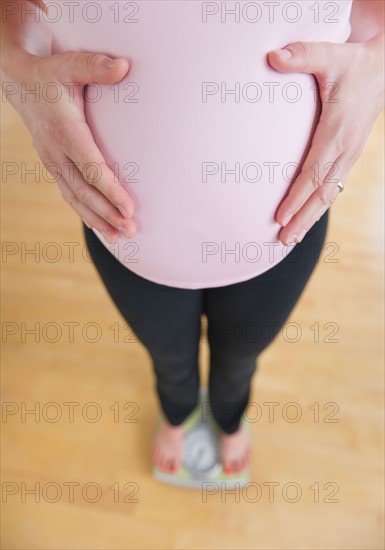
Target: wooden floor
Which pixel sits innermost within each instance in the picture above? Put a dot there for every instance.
(326, 469)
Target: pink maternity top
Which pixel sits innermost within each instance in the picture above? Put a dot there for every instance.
(205, 136)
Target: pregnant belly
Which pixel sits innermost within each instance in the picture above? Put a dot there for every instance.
(202, 133)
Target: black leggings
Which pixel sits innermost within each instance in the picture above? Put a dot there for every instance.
(242, 319)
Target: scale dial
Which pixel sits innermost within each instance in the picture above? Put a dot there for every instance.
(201, 452)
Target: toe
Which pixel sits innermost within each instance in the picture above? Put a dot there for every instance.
(236, 466)
(232, 466)
(226, 467)
(159, 460)
(162, 463)
(175, 465)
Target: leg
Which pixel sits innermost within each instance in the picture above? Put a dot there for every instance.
(167, 321)
(244, 318)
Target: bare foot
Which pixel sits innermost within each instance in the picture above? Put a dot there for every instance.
(236, 450)
(167, 447)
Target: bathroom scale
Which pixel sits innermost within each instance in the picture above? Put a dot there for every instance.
(201, 457)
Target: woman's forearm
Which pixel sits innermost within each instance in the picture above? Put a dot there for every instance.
(367, 19)
(23, 33)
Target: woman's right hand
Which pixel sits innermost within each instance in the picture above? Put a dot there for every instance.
(62, 136)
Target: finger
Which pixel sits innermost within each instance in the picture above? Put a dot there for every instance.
(311, 212)
(41, 5)
(92, 198)
(79, 146)
(72, 186)
(92, 220)
(84, 67)
(109, 233)
(87, 214)
(319, 163)
(303, 57)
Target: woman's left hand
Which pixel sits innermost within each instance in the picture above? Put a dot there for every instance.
(350, 77)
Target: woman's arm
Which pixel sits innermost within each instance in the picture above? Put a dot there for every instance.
(59, 129)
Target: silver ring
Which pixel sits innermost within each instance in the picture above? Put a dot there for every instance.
(341, 186)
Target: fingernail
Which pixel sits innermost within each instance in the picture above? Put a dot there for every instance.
(285, 54)
(126, 232)
(301, 236)
(292, 238)
(296, 237)
(287, 219)
(84, 221)
(123, 211)
(107, 236)
(112, 63)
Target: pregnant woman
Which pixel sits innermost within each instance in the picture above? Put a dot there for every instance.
(202, 144)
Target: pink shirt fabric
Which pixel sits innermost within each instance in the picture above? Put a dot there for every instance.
(202, 132)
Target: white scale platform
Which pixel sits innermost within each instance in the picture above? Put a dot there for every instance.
(201, 460)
